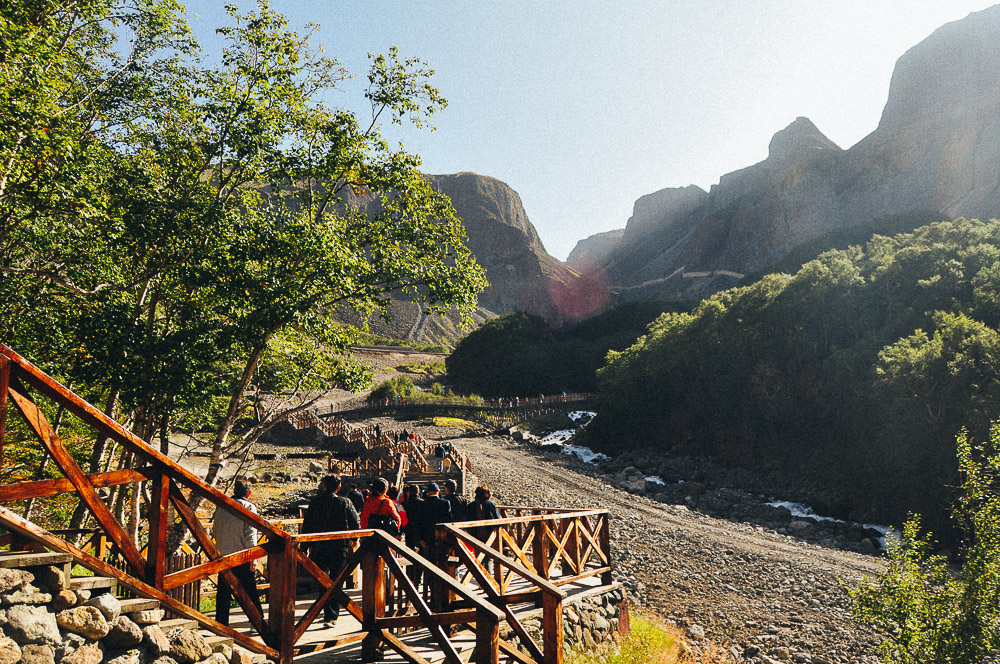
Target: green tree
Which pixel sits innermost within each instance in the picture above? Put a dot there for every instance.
(211, 213)
(931, 611)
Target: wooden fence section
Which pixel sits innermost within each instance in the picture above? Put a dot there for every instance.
(530, 555)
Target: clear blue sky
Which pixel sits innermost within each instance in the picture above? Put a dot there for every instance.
(584, 106)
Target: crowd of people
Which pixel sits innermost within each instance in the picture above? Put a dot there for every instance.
(411, 517)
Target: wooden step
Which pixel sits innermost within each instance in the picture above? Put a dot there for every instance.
(214, 640)
(172, 623)
(92, 582)
(28, 559)
(139, 604)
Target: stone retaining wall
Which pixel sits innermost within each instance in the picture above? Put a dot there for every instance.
(44, 621)
(589, 622)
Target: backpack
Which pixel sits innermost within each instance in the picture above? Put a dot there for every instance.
(384, 522)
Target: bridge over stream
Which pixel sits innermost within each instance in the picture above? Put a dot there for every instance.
(500, 414)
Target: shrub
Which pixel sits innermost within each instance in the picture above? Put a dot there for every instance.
(933, 612)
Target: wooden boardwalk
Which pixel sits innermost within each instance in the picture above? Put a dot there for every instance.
(323, 645)
(483, 578)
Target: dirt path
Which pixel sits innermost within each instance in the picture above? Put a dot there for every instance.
(766, 594)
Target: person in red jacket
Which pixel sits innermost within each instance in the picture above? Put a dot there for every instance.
(380, 510)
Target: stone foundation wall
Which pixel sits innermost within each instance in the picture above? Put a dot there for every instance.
(44, 621)
(589, 622)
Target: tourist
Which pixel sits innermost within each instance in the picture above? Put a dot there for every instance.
(232, 533)
(329, 512)
(380, 511)
(483, 509)
(439, 455)
(459, 505)
(415, 527)
(357, 498)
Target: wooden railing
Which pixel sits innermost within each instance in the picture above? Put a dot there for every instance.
(513, 559)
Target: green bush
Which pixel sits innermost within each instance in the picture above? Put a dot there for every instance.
(398, 386)
(853, 373)
(931, 611)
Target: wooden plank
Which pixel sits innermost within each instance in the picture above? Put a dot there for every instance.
(156, 554)
(54, 487)
(405, 651)
(493, 595)
(18, 524)
(50, 439)
(372, 596)
(514, 653)
(487, 639)
(282, 566)
(463, 617)
(334, 588)
(204, 570)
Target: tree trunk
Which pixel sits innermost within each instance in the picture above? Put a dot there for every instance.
(222, 435)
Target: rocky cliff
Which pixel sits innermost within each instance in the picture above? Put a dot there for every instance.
(522, 275)
(937, 149)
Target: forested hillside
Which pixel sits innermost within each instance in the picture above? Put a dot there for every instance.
(522, 355)
(856, 372)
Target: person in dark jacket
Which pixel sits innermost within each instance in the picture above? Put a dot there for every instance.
(436, 510)
(329, 512)
(483, 509)
(415, 527)
(459, 505)
(357, 498)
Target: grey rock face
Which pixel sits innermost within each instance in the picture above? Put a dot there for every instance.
(10, 652)
(14, 578)
(108, 605)
(124, 634)
(38, 654)
(26, 594)
(189, 647)
(32, 624)
(86, 621)
(89, 653)
(154, 640)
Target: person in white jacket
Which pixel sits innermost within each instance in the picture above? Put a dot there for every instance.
(232, 533)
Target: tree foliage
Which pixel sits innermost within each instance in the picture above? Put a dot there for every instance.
(519, 354)
(855, 372)
(175, 232)
(933, 612)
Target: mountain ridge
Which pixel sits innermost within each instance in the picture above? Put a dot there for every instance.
(936, 148)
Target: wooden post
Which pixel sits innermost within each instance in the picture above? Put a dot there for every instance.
(540, 549)
(4, 384)
(552, 628)
(158, 511)
(487, 638)
(573, 543)
(282, 565)
(605, 540)
(372, 597)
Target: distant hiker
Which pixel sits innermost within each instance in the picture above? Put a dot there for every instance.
(329, 512)
(564, 396)
(232, 533)
(459, 505)
(380, 511)
(378, 432)
(439, 455)
(357, 498)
